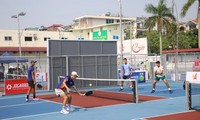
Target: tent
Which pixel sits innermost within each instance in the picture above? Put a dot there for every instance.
(9, 58)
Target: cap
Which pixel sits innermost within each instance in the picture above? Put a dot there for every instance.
(33, 61)
(74, 73)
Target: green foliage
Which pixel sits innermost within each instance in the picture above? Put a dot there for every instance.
(185, 40)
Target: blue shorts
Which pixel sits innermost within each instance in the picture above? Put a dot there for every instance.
(126, 76)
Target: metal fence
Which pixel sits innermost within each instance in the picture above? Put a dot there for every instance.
(176, 71)
(16, 67)
(87, 66)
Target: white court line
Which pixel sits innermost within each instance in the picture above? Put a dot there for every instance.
(49, 101)
(161, 115)
(161, 90)
(21, 104)
(30, 116)
(10, 97)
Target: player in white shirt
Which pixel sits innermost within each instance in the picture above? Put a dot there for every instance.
(158, 72)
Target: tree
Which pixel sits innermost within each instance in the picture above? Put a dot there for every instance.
(184, 10)
(161, 16)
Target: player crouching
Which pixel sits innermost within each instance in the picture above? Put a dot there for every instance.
(63, 90)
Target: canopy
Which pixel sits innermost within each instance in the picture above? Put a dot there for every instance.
(9, 58)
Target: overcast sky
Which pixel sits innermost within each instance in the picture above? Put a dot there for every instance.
(48, 12)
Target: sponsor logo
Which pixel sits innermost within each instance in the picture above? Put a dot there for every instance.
(17, 86)
(9, 87)
(136, 47)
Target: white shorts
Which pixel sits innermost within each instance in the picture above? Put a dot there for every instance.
(59, 91)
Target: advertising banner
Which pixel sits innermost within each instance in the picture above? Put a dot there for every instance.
(100, 35)
(140, 76)
(133, 46)
(193, 76)
(16, 86)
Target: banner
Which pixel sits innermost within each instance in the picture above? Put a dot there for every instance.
(100, 35)
(16, 86)
(193, 76)
(140, 76)
(40, 77)
(133, 46)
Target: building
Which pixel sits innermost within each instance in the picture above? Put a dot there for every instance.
(33, 40)
(102, 27)
(33, 43)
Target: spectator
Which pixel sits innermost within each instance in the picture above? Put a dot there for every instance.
(147, 67)
(196, 65)
(196, 62)
(2, 70)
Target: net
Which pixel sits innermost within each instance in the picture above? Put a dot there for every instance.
(193, 95)
(108, 88)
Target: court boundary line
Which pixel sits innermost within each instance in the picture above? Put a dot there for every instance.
(49, 101)
(27, 116)
(160, 90)
(145, 118)
(5, 106)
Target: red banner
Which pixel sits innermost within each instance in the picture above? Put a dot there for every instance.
(16, 86)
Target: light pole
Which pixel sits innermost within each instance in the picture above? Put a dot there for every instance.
(19, 35)
(121, 41)
(177, 45)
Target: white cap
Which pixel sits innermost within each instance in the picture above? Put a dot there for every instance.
(74, 73)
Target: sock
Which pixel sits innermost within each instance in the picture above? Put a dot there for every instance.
(169, 88)
(121, 87)
(27, 97)
(69, 105)
(154, 89)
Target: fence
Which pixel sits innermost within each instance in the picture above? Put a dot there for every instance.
(87, 66)
(185, 63)
(15, 68)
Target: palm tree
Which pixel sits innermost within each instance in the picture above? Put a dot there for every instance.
(161, 16)
(184, 10)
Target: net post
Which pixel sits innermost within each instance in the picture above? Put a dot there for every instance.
(188, 95)
(135, 91)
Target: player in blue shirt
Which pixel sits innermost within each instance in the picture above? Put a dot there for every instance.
(126, 73)
(31, 81)
(63, 90)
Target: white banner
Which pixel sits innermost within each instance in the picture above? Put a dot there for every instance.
(193, 76)
(134, 46)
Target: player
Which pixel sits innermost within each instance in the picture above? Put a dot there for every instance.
(126, 73)
(63, 90)
(158, 72)
(31, 81)
(147, 67)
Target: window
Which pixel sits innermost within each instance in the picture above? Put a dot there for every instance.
(64, 38)
(7, 38)
(108, 21)
(28, 38)
(46, 38)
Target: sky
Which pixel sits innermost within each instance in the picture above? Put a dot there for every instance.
(47, 12)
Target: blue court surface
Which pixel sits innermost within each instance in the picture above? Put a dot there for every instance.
(15, 108)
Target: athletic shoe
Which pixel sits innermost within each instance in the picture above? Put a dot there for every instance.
(69, 109)
(170, 91)
(121, 89)
(36, 99)
(27, 100)
(63, 111)
(153, 91)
